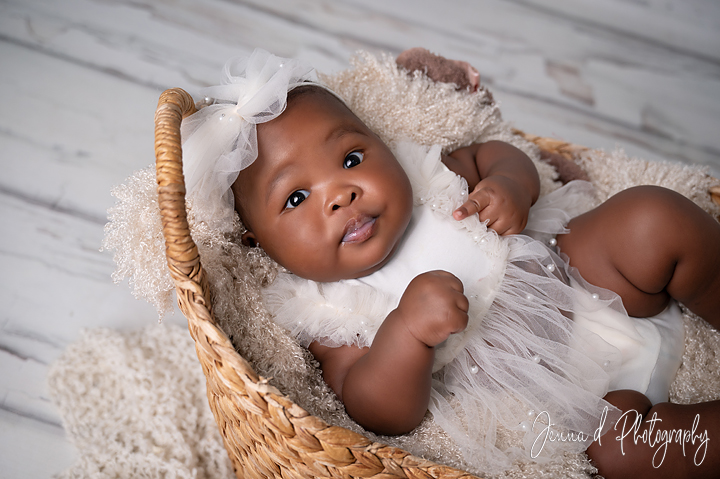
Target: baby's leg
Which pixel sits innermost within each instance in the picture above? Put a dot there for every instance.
(649, 244)
(636, 446)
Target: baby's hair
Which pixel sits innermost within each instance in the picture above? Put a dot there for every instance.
(310, 89)
(301, 91)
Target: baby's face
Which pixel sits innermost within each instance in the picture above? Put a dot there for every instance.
(325, 198)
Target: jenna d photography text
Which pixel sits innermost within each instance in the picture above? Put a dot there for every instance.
(629, 428)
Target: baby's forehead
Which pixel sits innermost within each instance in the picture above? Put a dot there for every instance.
(307, 112)
(292, 125)
(307, 97)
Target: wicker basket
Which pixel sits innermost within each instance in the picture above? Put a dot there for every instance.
(265, 433)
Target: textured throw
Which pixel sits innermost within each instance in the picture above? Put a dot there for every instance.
(134, 405)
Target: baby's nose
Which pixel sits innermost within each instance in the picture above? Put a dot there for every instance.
(344, 201)
(344, 198)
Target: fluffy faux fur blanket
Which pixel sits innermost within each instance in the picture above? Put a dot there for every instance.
(134, 404)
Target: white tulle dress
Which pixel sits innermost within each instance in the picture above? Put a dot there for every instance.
(542, 345)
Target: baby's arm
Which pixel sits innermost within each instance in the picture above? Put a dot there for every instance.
(503, 181)
(386, 387)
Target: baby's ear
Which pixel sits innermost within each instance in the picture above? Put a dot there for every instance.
(248, 239)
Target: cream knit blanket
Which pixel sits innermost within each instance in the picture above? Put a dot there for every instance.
(134, 405)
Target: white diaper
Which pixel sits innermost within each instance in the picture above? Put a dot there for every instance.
(650, 349)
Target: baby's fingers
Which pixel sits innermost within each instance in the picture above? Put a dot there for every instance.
(462, 303)
(477, 202)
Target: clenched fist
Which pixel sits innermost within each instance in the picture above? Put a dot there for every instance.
(433, 307)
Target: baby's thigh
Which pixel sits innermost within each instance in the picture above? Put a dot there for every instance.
(635, 447)
(625, 245)
(607, 455)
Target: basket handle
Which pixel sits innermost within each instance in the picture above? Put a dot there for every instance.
(182, 253)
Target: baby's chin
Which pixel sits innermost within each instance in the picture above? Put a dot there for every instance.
(333, 276)
(354, 271)
(374, 266)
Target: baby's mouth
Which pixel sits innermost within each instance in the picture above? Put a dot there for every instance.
(358, 229)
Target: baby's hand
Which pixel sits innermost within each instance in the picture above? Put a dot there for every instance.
(433, 307)
(501, 202)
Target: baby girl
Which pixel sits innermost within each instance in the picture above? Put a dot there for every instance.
(411, 283)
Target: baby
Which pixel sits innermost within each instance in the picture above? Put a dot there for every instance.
(417, 292)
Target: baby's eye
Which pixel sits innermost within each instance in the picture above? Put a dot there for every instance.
(296, 198)
(353, 159)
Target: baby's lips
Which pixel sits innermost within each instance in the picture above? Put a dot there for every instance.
(358, 229)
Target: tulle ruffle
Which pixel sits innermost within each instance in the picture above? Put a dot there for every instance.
(525, 367)
(310, 311)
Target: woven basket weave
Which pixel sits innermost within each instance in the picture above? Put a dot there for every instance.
(265, 433)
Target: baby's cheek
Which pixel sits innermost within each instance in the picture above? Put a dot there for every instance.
(312, 258)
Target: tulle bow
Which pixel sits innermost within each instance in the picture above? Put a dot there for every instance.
(220, 140)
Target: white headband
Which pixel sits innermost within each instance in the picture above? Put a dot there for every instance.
(220, 140)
